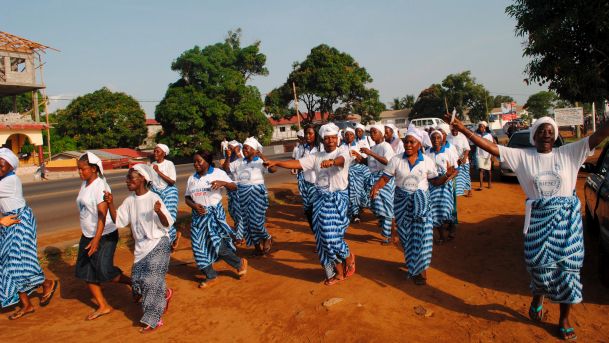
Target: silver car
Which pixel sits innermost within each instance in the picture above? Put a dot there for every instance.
(520, 140)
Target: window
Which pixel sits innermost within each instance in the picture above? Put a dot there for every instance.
(282, 129)
(400, 121)
(17, 64)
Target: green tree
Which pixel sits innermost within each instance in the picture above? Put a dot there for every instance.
(402, 103)
(567, 43)
(500, 99)
(59, 143)
(23, 102)
(103, 119)
(211, 100)
(327, 81)
(540, 103)
(430, 103)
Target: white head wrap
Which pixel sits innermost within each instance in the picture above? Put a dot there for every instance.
(163, 147)
(415, 134)
(435, 132)
(360, 126)
(393, 128)
(444, 127)
(93, 159)
(300, 133)
(379, 127)
(538, 123)
(483, 123)
(233, 143)
(329, 129)
(253, 142)
(144, 170)
(349, 129)
(10, 157)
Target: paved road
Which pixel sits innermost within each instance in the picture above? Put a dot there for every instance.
(54, 202)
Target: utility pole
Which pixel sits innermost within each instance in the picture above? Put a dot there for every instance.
(296, 104)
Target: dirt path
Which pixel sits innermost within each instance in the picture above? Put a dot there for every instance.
(477, 291)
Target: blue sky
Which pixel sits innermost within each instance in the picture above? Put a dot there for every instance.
(405, 45)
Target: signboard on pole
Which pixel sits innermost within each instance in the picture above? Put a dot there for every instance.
(569, 116)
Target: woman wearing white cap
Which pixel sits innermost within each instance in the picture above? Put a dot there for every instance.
(553, 241)
(306, 178)
(209, 232)
(484, 160)
(412, 171)
(20, 271)
(150, 221)
(233, 153)
(441, 194)
(360, 135)
(391, 137)
(463, 179)
(253, 197)
(330, 201)
(164, 184)
(358, 175)
(378, 157)
(95, 261)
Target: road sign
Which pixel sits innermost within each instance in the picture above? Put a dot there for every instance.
(569, 116)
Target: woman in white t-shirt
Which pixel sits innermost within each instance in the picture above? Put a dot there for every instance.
(392, 137)
(20, 271)
(358, 175)
(164, 184)
(233, 153)
(306, 180)
(95, 261)
(253, 197)
(330, 200)
(209, 232)
(463, 179)
(553, 241)
(150, 221)
(484, 160)
(442, 194)
(378, 157)
(412, 171)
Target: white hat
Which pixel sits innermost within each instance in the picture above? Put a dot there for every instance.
(444, 127)
(144, 170)
(360, 126)
(300, 133)
(379, 127)
(93, 159)
(483, 123)
(234, 143)
(329, 129)
(436, 132)
(538, 123)
(415, 134)
(10, 157)
(349, 129)
(163, 147)
(392, 127)
(253, 142)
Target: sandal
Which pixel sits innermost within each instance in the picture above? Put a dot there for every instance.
(350, 268)
(149, 329)
(97, 314)
(386, 241)
(46, 298)
(536, 315)
(176, 242)
(20, 314)
(567, 334)
(208, 283)
(332, 281)
(243, 270)
(419, 280)
(168, 295)
(267, 249)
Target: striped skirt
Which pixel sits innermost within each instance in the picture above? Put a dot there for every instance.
(442, 204)
(358, 195)
(20, 270)
(253, 202)
(206, 233)
(463, 180)
(148, 281)
(233, 210)
(305, 189)
(415, 228)
(169, 196)
(554, 249)
(330, 222)
(382, 205)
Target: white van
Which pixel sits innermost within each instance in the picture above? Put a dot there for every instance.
(427, 122)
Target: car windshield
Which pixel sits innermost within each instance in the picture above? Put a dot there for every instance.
(521, 140)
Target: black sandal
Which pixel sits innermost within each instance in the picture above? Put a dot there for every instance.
(46, 298)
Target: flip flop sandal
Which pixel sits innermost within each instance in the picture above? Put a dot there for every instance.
(350, 268)
(267, 250)
(536, 315)
(208, 283)
(419, 280)
(565, 334)
(332, 281)
(19, 314)
(46, 298)
(168, 295)
(96, 315)
(149, 329)
(243, 270)
(386, 241)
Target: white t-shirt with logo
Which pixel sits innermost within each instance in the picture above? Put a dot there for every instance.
(411, 179)
(199, 187)
(383, 149)
(460, 143)
(146, 227)
(443, 159)
(11, 194)
(547, 175)
(248, 173)
(481, 153)
(331, 179)
(303, 151)
(168, 169)
(87, 200)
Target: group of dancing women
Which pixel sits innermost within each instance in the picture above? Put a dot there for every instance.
(410, 182)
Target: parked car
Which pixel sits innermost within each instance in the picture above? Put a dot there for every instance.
(596, 192)
(427, 122)
(520, 140)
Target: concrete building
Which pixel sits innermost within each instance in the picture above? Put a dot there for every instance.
(154, 127)
(397, 117)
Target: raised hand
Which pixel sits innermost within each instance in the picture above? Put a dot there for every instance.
(108, 197)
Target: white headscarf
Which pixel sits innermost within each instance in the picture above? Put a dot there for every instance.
(233, 143)
(360, 126)
(349, 129)
(144, 170)
(436, 132)
(379, 127)
(300, 133)
(163, 147)
(538, 123)
(10, 157)
(444, 127)
(329, 129)
(414, 133)
(253, 142)
(483, 123)
(93, 159)
(393, 128)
